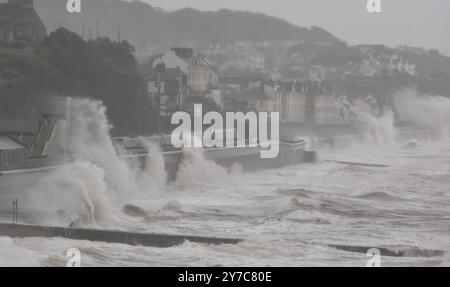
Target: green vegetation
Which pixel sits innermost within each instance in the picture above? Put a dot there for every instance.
(65, 65)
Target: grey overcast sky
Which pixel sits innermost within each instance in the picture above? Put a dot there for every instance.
(422, 23)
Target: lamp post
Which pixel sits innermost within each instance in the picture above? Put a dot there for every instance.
(180, 84)
(159, 102)
(15, 204)
(66, 147)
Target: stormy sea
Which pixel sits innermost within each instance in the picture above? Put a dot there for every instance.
(386, 192)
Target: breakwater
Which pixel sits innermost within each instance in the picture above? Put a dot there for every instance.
(109, 236)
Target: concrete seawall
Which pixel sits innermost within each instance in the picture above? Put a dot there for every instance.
(249, 158)
(108, 236)
(344, 140)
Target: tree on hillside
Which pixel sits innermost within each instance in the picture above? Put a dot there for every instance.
(65, 65)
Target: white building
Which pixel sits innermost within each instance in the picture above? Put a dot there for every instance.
(308, 102)
(196, 67)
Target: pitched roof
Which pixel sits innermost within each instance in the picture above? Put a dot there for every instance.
(22, 10)
(7, 143)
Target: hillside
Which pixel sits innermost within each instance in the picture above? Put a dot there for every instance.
(373, 69)
(142, 24)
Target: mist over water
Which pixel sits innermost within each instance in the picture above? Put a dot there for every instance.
(424, 111)
(12, 255)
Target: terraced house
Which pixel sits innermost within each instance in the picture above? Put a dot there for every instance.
(308, 102)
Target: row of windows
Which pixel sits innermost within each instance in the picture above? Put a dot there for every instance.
(12, 158)
(24, 35)
(321, 113)
(199, 80)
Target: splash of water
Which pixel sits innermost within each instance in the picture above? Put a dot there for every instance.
(196, 168)
(96, 178)
(90, 141)
(235, 169)
(12, 255)
(377, 130)
(424, 111)
(153, 175)
(78, 189)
